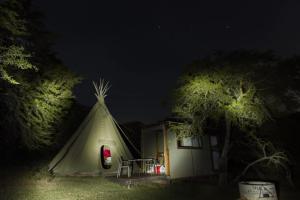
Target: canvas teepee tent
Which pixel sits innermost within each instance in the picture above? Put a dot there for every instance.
(82, 153)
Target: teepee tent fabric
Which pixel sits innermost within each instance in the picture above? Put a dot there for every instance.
(81, 154)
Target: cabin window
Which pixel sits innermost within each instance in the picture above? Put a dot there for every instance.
(194, 142)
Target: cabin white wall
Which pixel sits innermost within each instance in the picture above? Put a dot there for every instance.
(189, 162)
(183, 162)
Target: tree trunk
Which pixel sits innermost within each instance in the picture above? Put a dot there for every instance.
(223, 164)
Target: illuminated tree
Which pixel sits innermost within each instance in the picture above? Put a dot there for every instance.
(34, 102)
(217, 94)
(236, 88)
(13, 56)
(40, 107)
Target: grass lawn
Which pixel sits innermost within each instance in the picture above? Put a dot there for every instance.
(29, 184)
(100, 188)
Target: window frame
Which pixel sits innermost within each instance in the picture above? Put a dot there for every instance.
(200, 140)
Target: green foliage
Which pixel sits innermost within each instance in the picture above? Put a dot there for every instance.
(248, 109)
(10, 20)
(13, 56)
(43, 105)
(250, 87)
(182, 129)
(242, 89)
(36, 88)
(211, 93)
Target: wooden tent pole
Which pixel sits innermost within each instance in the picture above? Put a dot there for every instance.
(166, 150)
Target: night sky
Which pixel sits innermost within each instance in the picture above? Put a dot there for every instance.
(142, 46)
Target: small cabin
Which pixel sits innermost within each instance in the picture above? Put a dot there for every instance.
(181, 158)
